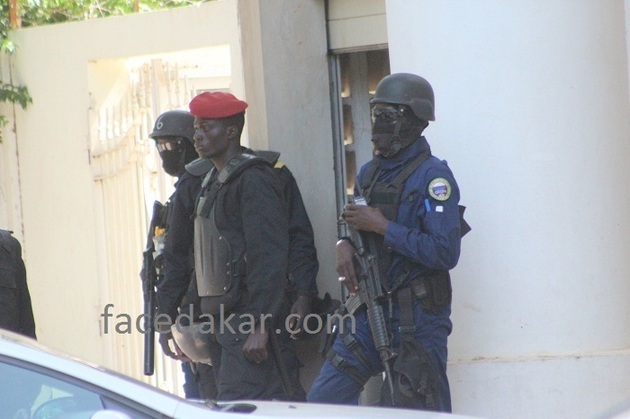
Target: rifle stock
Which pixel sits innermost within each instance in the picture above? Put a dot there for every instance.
(150, 280)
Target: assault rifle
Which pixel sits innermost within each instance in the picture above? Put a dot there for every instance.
(150, 278)
(371, 293)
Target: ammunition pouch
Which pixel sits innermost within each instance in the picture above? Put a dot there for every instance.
(433, 290)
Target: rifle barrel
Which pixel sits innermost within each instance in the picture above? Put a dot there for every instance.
(149, 290)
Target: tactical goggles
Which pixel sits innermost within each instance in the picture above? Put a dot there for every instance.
(387, 113)
(168, 144)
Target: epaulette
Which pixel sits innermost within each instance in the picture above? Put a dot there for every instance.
(199, 167)
(270, 156)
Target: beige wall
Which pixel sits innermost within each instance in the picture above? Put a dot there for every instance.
(10, 194)
(356, 24)
(62, 241)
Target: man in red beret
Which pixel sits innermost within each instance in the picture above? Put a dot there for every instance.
(241, 247)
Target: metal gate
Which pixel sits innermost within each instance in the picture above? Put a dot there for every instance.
(128, 176)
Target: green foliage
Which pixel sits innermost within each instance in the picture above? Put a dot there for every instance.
(14, 94)
(9, 92)
(42, 12)
(39, 12)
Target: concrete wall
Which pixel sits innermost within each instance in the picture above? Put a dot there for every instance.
(289, 88)
(533, 117)
(286, 83)
(356, 24)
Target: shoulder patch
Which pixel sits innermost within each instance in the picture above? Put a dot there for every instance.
(440, 189)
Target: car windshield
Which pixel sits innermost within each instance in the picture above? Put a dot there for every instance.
(25, 393)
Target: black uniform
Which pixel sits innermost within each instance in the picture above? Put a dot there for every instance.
(303, 263)
(249, 214)
(16, 312)
(177, 264)
(176, 286)
(177, 254)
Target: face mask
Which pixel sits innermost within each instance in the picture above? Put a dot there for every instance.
(393, 120)
(172, 162)
(175, 154)
(381, 127)
(401, 135)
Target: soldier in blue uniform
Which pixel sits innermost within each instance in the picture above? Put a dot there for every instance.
(411, 223)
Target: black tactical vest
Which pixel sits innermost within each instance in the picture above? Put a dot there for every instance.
(385, 196)
(219, 269)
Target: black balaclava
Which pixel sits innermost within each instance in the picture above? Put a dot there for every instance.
(400, 122)
(175, 159)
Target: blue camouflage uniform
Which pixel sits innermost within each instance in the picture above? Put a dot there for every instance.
(424, 237)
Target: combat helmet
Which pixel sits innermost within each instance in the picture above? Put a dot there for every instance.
(407, 89)
(193, 341)
(176, 123)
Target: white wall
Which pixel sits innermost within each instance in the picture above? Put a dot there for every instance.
(533, 117)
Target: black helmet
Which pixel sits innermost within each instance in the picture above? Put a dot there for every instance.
(407, 89)
(175, 123)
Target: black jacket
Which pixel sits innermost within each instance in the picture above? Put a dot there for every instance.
(16, 312)
(178, 265)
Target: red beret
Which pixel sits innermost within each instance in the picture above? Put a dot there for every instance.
(214, 105)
